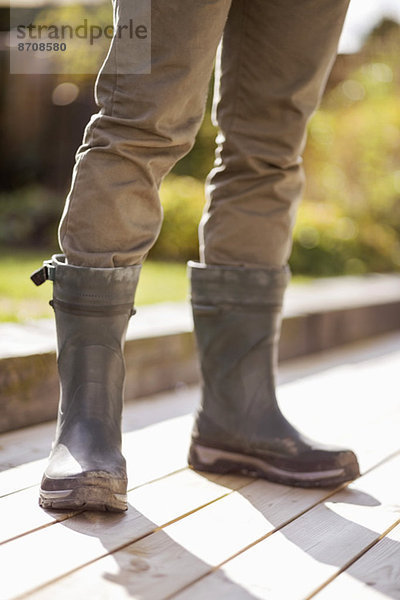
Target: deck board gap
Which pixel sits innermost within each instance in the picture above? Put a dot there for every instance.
(352, 561)
(86, 564)
(125, 544)
(215, 568)
(44, 526)
(72, 514)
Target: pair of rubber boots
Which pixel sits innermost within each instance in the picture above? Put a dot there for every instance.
(238, 428)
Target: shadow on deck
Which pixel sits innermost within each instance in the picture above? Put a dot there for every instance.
(191, 536)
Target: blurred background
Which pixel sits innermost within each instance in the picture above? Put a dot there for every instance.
(349, 220)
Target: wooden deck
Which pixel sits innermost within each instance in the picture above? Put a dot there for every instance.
(191, 536)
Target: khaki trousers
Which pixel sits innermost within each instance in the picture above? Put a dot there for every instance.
(271, 70)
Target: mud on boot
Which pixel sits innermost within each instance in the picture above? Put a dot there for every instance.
(239, 427)
(92, 306)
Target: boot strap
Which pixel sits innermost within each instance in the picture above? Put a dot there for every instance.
(47, 271)
(108, 310)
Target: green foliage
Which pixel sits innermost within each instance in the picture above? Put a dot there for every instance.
(28, 217)
(182, 200)
(349, 221)
(80, 55)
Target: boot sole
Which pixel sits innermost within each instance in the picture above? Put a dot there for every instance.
(205, 458)
(83, 498)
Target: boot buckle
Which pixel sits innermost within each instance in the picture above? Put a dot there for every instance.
(47, 271)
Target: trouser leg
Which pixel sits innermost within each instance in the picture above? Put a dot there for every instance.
(145, 124)
(271, 72)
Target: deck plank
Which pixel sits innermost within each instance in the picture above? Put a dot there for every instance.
(163, 563)
(149, 442)
(339, 403)
(349, 403)
(361, 373)
(88, 536)
(303, 555)
(173, 556)
(26, 450)
(374, 576)
(152, 466)
(20, 514)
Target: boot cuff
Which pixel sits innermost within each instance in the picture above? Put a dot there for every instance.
(94, 286)
(213, 284)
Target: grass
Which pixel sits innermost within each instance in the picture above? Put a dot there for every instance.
(21, 300)
(162, 282)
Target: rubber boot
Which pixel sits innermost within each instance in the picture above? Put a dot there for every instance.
(239, 426)
(92, 308)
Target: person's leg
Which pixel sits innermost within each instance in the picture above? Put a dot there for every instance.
(111, 220)
(274, 62)
(145, 124)
(276, 57)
